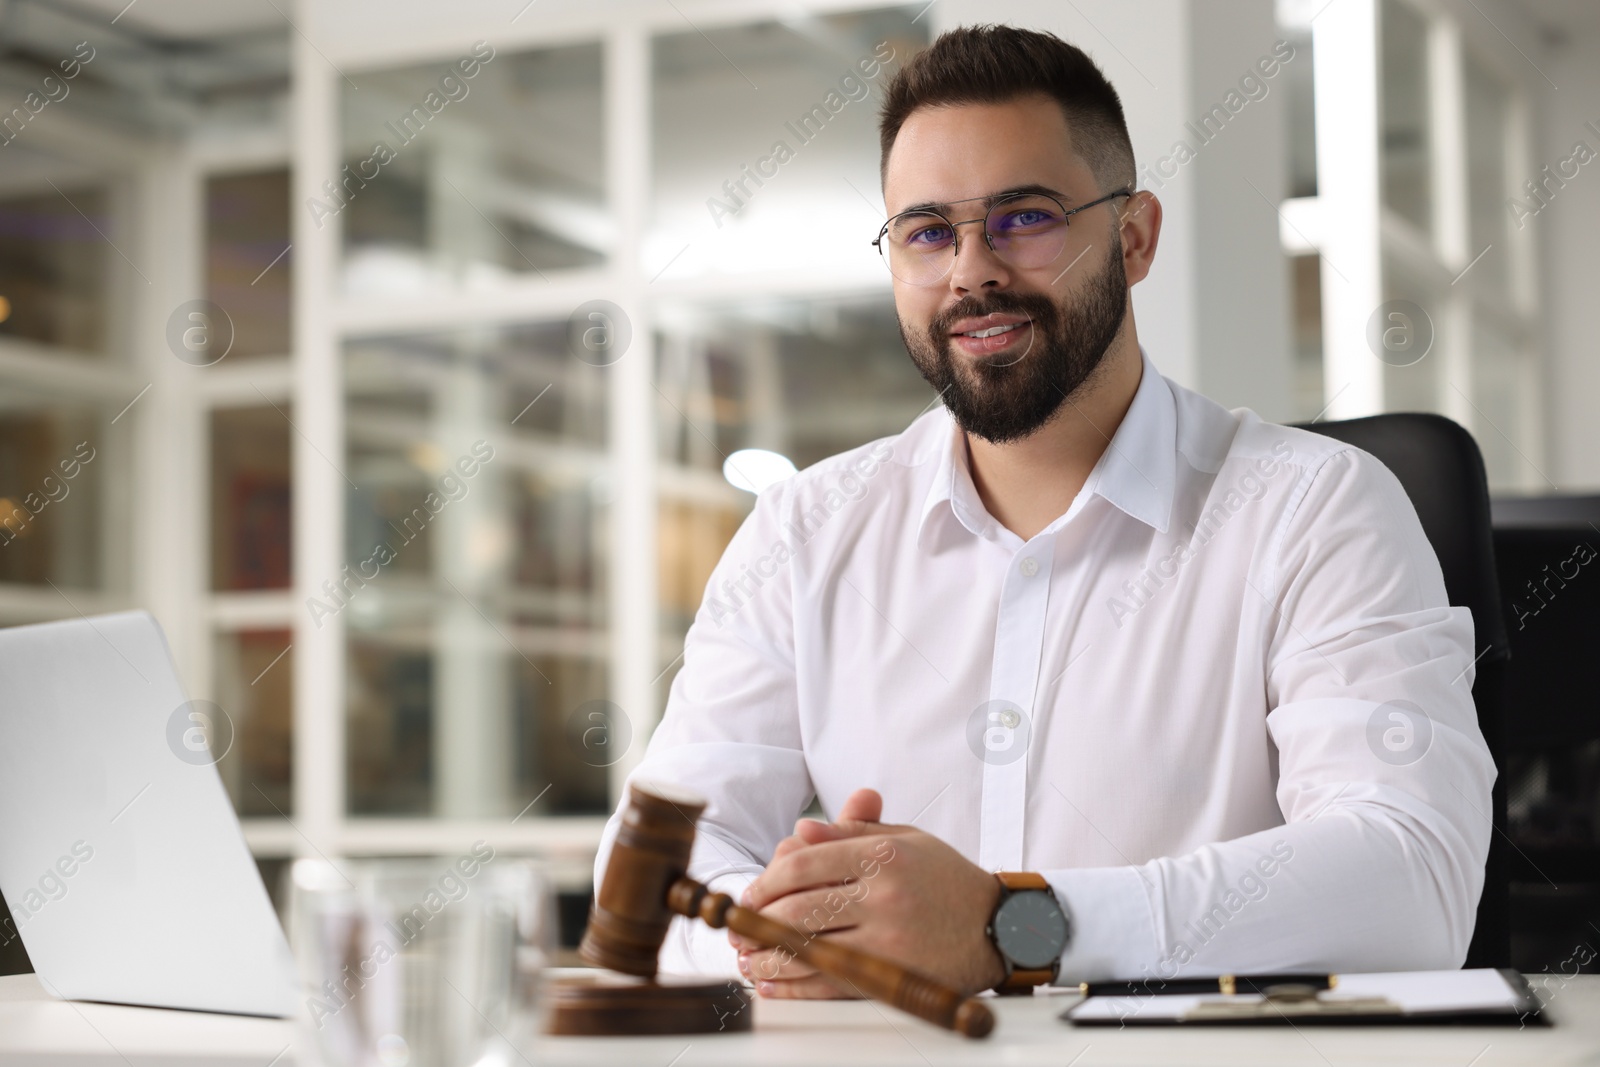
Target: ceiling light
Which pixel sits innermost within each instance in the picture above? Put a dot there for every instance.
(754, 469)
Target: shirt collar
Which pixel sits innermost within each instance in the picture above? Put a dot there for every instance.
(1136, 473)
(1138, 470)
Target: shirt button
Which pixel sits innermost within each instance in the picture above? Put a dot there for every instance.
(1030, 567)
(1010, 717)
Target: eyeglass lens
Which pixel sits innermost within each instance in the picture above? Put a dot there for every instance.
(1026, 231)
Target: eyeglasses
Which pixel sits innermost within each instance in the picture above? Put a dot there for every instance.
(1026, 230)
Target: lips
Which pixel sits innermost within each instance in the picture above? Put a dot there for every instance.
(987, 325)
(992, 331)
(989, 337)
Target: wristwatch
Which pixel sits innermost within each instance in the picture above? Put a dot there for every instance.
(1030, 929)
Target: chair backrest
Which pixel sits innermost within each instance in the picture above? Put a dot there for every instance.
(1441, 469)
(1553, 621)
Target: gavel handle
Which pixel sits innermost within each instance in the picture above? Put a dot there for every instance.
(873, 977)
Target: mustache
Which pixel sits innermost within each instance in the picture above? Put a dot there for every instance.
(1036, 307)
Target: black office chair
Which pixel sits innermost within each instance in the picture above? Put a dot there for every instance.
(1439, 464)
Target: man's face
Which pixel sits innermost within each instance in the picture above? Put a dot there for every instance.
(1062, 316)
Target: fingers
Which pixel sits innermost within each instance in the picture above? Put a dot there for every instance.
(818, 911)
(773, 964)
(864, 805)
(862, 810)
(780, 968)
(789, 844)
(809, 832)
(815, 832)
(815, 987)
(811, 912)
(831, 863)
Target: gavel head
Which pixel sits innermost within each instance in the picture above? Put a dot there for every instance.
(629, 918)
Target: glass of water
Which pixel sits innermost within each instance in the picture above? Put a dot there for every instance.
(420, 962)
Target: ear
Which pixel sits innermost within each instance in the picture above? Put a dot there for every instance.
(1140, 219)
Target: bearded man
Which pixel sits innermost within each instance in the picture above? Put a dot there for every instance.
(1095, 678)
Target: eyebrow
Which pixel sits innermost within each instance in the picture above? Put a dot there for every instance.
(990, 200)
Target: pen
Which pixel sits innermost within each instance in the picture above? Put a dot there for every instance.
(1226, 984)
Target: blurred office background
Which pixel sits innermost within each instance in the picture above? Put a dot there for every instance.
(274, 341)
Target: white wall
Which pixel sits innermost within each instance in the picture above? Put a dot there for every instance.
(1214, 312)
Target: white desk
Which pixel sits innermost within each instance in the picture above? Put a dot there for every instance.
(37, 1029)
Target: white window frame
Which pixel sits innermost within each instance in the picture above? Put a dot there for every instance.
(325, 320)
(1349, 227)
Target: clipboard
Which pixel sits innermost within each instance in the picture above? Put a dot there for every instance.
(1482, 996)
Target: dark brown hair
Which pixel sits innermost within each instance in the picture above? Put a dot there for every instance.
(994, 64)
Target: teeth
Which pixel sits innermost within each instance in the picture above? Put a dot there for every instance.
(992, 331)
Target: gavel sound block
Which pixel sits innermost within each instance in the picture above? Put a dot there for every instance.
(646, 884)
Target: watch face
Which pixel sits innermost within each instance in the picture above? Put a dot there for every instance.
(1030, 929)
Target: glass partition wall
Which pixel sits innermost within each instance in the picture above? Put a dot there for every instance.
(64, 370)
(476, 523)
(555, 299)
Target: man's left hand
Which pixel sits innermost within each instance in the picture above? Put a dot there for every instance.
(893, 891)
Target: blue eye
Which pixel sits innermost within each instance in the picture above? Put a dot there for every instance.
(921, 233)
(1027, 220)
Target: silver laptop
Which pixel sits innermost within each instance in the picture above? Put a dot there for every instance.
(121, 860)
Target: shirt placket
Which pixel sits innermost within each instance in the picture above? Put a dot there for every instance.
(1008, 716)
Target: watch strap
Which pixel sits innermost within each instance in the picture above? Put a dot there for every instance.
(1020, 981)
(1015, 880)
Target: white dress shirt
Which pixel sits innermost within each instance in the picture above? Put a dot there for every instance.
(1221, 703)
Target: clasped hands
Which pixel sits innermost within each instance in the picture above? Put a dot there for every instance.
(894, 891)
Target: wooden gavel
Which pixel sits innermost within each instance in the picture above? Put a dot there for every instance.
(646, 884)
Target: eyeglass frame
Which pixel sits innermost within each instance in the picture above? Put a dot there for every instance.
(988, 238)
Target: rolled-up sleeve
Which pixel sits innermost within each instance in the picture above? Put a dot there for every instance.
(730, 732)
(1384, 777)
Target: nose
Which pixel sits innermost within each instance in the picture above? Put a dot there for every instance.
(977, 266)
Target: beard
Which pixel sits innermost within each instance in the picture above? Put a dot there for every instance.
(1010, 397)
